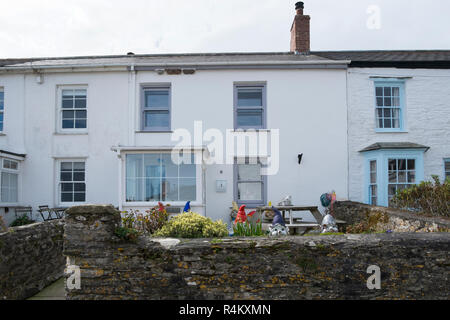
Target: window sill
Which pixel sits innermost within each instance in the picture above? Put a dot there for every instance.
(247, 129)
(156, 131)
(390, 131)
(70, 133)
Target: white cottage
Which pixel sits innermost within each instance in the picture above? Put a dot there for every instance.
(255, 127)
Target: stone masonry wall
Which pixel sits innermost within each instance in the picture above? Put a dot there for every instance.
(383, 219)
(31, 258)
(413, 266)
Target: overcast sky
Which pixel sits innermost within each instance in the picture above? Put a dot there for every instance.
(37, 28)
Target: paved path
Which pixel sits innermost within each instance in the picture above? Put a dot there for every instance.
(54, 291)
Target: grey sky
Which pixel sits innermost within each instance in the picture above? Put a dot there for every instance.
(35, 28)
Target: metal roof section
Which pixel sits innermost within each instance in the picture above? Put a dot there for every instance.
(394, 145)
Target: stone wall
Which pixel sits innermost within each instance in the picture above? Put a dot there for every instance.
(31, 258)
(413, 266)
(383, 219)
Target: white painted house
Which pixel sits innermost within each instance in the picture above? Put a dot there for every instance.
(101, 129)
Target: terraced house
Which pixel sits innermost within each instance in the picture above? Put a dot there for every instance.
(100, 129)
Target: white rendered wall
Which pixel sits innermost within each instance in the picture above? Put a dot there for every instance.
(427, 119)
(308, 106)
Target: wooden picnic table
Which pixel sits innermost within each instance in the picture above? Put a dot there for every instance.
(293, 223)
(291, 209)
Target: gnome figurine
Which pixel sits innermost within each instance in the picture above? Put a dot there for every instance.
(241, 216)
(278, 226)
(187, 207)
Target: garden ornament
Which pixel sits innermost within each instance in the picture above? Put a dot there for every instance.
(329, 224)
(241, 216)
(278, 226)
(187, 207)
(286, 201)
(234, 210)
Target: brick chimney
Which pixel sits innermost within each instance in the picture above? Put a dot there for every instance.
(300, 31)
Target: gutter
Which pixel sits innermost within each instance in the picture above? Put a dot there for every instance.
(313, 64)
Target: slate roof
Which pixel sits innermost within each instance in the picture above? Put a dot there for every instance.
(394, 145)
(399, 58)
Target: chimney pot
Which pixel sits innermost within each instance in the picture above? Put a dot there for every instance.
(299, 5)
(300, 31)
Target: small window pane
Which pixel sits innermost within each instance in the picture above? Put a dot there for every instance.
(396, 91)
(66, 187)
(393, 177)
(248, 172)
(387, 102)
(249, 118)
(152, 189)
(66, 176)
(80, 114)
(157, 99)
(387, 113)
(67, 104)
(80, 103)
(68, 115)
(80, 93)
(392, 164)
(80, 124)
(78, 176)
(152, 165)
(157, 119)
(380, 102)
(250, 98)
(373, 166)
(170, 189)
(250, 191)
(401, 164)
(387, 91)
(387, 123)
(68, 124)
(169, 169)
(66, 166)
(134, 188)
(68, 94)
(79, 197)
(402, 177)
(187, 189)
(411, 164)
(134, 165)
(66, 197)
(411, 177)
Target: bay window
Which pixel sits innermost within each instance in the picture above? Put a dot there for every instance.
(154, 177)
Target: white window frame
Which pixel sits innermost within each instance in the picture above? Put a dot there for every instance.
(12, 171)
(390, 83)
(59, 126)
(198, 202)
(59, 182)
(2, 90)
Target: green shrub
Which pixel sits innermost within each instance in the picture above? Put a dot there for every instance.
(428, 197)
(192, 225)
(147, 223)
(22, 221)
(127, 234)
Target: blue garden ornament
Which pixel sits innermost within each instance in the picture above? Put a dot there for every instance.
(278, 227)
(278, 218)
(187, 207)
